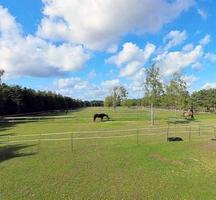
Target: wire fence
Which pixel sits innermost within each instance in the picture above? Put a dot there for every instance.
(158, 134)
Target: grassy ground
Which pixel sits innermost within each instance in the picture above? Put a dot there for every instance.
(142, 166)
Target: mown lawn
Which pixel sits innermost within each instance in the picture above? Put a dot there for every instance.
(142, 166)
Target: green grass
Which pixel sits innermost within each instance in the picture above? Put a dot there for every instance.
(117, 168)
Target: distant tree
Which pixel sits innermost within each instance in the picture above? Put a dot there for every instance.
(1, 74)
(15, 100)
(176, 92)
(119, 93)
(108, 102)
(204, 100)
(153, 88)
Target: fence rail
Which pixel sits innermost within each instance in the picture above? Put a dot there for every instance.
(188, 131)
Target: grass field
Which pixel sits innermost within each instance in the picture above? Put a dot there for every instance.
(125, 158)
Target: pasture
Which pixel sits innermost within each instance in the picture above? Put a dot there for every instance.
(72, 157)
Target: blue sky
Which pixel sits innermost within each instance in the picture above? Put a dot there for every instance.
(85, 49)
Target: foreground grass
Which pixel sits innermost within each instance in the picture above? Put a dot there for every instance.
(107, 168)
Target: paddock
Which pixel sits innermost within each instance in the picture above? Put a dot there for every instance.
(124, 158)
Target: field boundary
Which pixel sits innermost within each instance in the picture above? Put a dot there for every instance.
(161, 130)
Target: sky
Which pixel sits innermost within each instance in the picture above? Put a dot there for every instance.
(84, 48)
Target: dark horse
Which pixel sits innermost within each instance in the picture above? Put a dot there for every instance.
(101, 115)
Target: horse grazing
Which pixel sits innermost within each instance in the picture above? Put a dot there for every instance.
(101, 115)
(188, 113)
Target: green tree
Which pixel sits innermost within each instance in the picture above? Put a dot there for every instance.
(177, 95)
(108, 102)
(1, 74)
(153, 88)
(119, 93)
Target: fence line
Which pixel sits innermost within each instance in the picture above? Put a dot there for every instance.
(107, 131)
(169, 130)
(88, 138)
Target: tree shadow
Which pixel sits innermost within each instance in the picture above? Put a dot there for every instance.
(13, 151)
(7, 134)
(7, 124)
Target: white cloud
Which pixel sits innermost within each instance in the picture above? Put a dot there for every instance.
(202, 13)
(131, 52)
(211, 57)
(74, 87)
(8, 26)
(190, 79)
(29, 55)
(131, 58)
(171, 62)
(174, 38)
(209, 86)
(197, 66)
(130, 69)
(99, 24)
(188, 47)
(110, 84)
(204, 41)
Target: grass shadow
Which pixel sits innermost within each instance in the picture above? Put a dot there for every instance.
(13, 151)
(180, 121)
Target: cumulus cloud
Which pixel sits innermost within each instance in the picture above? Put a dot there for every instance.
(131, 58)
(110, 84)
(91, 22)
(74, 86)
(30, 55)
(131, 52)
(174, 38)
(172, 62)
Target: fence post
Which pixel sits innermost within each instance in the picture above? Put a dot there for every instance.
(72, 144)
(39, 141)
(137, 136)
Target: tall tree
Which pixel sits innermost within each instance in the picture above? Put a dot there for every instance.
(1, 74)
(153, 88)
(119, 93)
(176, 91)
(108, 102)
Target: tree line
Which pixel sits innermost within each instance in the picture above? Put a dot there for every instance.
(18, 100)
(172, 95)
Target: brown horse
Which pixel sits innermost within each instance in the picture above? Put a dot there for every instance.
(188, 114)
(101, 115)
